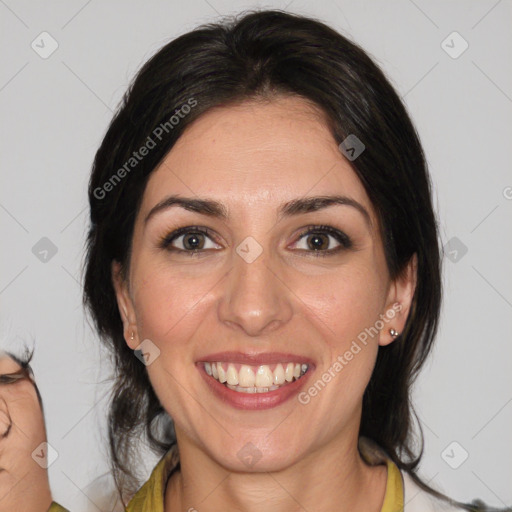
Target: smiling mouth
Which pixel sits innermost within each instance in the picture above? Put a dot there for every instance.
(263, 378)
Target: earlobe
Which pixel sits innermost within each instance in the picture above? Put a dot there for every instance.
(125, 305)
(399, 302)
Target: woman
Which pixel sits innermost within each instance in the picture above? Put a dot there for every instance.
(263, 262)
(23, 446)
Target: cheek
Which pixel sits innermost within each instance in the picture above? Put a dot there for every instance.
(345, 303)
(168, 308)
(169, 305)
(344, 309)
(27, 417)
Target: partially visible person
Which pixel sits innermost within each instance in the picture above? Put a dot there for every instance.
(24, 484)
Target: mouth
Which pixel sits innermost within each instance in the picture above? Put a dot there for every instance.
(244, 378)
(255, 382)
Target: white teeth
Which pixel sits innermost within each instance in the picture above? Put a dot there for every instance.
(252, 389)
(232, 375)
(289, 372)
(279, 375)
(264, 377)
(222, 374)
(255, 379)
(246, 376)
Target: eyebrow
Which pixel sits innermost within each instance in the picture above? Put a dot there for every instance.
(213, 208)
(9, 378)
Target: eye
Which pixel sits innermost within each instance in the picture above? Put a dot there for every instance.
(190, 239)
(320, 241)
(10, 378)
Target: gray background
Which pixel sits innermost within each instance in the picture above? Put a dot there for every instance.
(55, 111)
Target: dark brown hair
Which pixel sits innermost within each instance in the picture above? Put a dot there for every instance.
(261, 54)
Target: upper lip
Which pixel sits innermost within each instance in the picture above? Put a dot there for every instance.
(255, 359)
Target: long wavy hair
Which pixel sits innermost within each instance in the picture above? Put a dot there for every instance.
(264, 54)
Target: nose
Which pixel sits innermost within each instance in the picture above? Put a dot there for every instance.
(255, 298)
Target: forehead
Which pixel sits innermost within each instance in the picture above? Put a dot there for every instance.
(254, 153)
(7, 364)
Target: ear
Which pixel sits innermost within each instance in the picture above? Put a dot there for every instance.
(125, 305)
(399, 301)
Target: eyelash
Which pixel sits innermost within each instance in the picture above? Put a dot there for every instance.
(344, 241)
(12, 377)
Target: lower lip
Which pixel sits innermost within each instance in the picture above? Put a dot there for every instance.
(254, 401)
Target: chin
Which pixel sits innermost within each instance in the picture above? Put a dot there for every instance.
(254, 457)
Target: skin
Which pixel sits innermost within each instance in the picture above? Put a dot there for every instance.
(22, 430)
(252, 158)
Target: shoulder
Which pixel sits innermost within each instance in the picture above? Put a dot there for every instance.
(150, 497)
(415, 499)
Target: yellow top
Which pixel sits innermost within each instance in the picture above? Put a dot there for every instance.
(150, 497)
(394, 497)
(55, 507)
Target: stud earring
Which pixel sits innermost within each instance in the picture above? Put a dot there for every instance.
(393, 333)
(132, 337)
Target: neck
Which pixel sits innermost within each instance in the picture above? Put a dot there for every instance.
(334, 477)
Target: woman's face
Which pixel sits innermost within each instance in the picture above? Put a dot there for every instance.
(23, 456)
(261, 283)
